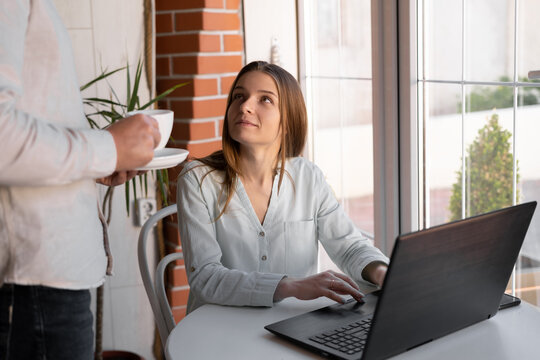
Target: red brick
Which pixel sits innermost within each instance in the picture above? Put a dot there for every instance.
(177, 275)
(164, 23)
(189, 21)
(172, 192)
(233, 4)
(209, 108)
(185, 43)
(185, 65)
(209, 43)
(220, 21)
(163, 104)
(201, 20)
(203, 149)
(163, 84)
(194, 131)
(182, 109)
(171, 248)
(206, 64)
(198, 109)
(226, 83)
(164, 5)
(233, 42)
(194, 87)
(205, 87)
(178, 297)
(163, 66)
(179, 313)
(171, 232)
(174, 172)
(171, 44)
(220, 64)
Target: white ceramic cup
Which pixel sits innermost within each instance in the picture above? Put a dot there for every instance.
(165, 119)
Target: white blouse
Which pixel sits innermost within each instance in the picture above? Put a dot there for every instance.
(236, 260)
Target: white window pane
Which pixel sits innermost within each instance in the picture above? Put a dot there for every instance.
(341, 38)
(443, 137)
(338, 74)
(442, 36)
(489, 149)
(489, 40)
(528, 39)
(355, 58)
(527, 150)
(488, 158)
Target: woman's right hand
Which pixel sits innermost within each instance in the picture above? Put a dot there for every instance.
(329, 283)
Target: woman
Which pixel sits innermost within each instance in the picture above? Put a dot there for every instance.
(251, 215)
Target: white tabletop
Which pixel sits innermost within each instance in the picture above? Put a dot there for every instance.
(223, 332)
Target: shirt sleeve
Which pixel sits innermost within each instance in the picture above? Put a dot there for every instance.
(209, 280)
(348, 248)
(35, 151)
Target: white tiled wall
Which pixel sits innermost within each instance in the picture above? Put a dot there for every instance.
(106, 35)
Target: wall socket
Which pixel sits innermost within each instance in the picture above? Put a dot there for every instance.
(144, 208)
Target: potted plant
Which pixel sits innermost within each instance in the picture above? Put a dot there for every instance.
(107, 111)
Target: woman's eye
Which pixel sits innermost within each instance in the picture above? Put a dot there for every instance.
(237, 96)
(266, 99)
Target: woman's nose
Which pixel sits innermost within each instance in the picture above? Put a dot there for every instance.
(246, 106)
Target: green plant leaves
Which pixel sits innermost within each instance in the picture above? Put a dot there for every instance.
(113, 109)
(489, 173)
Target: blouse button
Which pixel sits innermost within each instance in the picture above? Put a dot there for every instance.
(261, 234)
(192, 269)
(263, 258)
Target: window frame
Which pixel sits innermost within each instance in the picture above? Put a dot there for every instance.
(396, 131)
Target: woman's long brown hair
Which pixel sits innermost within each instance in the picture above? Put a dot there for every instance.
(293, 124)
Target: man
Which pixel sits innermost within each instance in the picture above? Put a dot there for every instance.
(52, 242)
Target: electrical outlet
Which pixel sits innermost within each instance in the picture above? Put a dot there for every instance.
(145, 208)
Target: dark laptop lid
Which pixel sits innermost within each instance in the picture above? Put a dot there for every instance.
(445, 278)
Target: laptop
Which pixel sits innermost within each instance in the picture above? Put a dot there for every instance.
(440, 280)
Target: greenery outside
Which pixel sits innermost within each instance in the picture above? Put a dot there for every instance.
(500, 96)
(489, 177)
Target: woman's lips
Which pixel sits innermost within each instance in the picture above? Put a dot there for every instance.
(243, 122)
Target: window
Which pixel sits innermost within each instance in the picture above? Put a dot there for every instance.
(336, 77)
(479, 116)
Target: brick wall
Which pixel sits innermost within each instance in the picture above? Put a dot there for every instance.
(199, 41)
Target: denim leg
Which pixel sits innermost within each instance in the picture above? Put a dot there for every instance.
(18, 324)
(46, 324)
(6, 302)
(67, 323)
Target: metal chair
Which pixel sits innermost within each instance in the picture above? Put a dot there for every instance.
(156, 291)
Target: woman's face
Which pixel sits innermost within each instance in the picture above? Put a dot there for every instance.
(253, 116)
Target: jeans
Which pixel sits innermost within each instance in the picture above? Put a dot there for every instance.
(44, 323)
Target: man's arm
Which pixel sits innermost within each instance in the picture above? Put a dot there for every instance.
(37, 151)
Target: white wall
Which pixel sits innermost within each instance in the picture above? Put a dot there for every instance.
(265, 20)
(107, 34)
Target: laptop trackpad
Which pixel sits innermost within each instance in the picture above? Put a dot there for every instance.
(303, 326)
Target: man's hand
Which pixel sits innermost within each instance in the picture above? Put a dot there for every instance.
(135, 138)
(119, 177)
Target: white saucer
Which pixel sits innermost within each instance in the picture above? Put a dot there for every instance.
(166, 158)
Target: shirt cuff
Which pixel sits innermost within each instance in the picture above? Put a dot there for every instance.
(263, 293)
(371, 259)
(103, 154)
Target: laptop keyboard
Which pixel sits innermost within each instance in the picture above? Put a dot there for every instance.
(349, 339)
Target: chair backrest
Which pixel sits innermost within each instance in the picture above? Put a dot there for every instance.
(156, 291)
